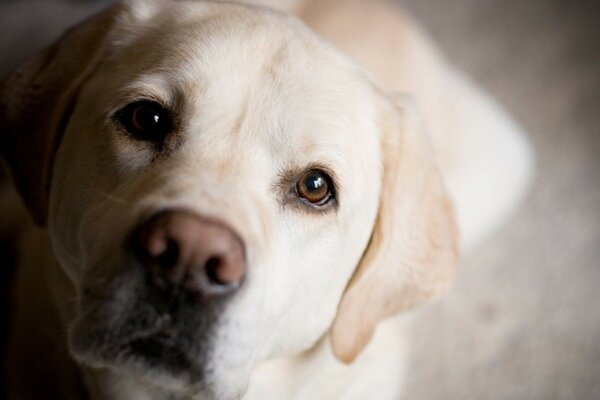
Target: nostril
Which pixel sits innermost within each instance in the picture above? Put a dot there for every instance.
(213, 268)
(225, 270)
(169, 256)
(167, 270)
(162, 257)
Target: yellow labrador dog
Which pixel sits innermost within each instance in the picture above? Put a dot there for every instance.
(228, 206)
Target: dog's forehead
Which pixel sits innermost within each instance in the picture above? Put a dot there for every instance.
(234, 64)
(222, 45)
(207, 35)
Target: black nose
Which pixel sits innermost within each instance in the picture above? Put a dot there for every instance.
(184, 251)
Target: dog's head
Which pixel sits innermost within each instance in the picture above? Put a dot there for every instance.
(222, 188)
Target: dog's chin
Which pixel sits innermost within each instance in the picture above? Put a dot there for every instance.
(145, 347)
(156, 357)
(156, 362)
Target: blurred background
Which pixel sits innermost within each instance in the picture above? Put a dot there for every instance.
(523, 318)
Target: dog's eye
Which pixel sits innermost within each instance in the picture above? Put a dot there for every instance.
(145, 120)
(315, 186)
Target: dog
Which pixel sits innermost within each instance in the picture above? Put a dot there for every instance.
(225, 203)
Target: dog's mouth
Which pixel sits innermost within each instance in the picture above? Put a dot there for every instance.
(126, 325)
(137, 337)
(159, 351)
(150, 354)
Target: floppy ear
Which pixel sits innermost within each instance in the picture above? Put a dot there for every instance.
(35, 105)
(412, 254)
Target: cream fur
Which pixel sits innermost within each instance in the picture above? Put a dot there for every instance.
(260, 94)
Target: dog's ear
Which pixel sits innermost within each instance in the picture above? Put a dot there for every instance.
(412, 254)
(36, 102)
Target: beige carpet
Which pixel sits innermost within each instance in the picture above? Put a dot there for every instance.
(523, 319)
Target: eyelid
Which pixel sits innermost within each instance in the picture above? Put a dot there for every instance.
(126, 101)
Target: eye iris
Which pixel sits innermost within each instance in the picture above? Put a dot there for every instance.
(145, 120)
(314, 187)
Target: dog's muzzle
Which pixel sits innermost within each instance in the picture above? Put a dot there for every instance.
(161, 310)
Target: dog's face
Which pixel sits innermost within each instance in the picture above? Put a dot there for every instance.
(237, 121)
(253, 106)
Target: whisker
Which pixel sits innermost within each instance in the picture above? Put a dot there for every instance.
(113, 198)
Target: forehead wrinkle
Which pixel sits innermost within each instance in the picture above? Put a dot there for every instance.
(172, 50)
(278, 60)
(242, 116)
(210, 43)
(164, 88)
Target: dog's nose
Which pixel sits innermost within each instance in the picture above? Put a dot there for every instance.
(184, 251)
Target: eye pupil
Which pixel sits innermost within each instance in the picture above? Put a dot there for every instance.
(315, 187)
(314, 182)
(145, 120)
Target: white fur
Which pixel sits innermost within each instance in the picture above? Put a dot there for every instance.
(316, 106)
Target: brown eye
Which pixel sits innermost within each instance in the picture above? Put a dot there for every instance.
(145, 120)
(315, 187)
